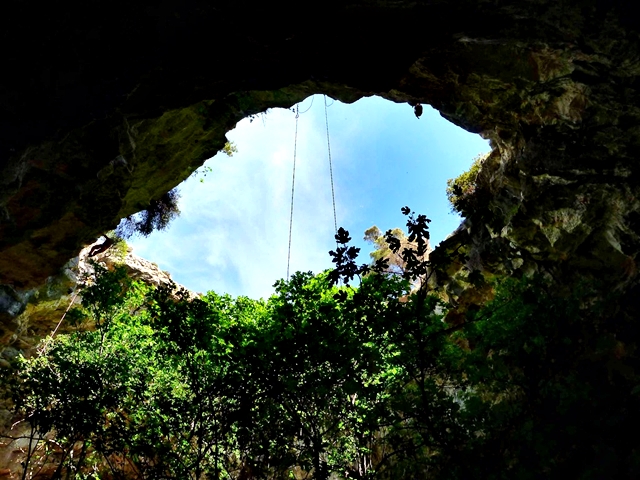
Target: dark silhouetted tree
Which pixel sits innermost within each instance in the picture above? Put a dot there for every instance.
(156, 217)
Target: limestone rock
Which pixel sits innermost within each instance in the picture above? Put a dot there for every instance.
(137, 267)
(42, 309)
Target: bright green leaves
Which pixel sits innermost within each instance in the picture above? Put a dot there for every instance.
(229, 150)
(103, 298)
(367, 382)
(461, 188)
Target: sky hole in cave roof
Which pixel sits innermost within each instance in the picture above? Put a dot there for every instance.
(232, 233)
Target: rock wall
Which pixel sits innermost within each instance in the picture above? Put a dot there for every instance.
(42, 309)
(109, 105)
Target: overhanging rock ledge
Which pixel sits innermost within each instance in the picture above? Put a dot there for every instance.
(109, 105)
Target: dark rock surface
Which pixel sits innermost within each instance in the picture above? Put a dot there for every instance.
(108, 105)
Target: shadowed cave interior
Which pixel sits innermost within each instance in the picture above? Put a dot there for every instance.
(103, 112)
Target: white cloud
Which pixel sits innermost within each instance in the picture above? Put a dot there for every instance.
(232, 235)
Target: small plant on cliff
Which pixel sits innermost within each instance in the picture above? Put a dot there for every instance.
(229, 150)
(120, 248)
(464, 185)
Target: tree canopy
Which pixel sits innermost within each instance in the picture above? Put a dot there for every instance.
(326, 381)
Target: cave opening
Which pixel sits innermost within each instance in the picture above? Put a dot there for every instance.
(231, 235)
(554, 84)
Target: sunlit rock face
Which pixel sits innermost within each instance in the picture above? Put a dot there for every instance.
(38, 312)
(104, 109)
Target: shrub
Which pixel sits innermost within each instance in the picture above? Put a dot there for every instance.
(464, 185)
(157, 216)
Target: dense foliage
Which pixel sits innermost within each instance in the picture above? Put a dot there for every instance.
(462, 187)
(333, 381)
(156, 216)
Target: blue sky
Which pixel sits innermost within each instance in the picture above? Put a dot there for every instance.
(232, 234)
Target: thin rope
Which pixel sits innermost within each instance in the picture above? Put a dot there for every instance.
(293, 185)
(333, 195)
(44, 345)
(312, 99)
(55, 330)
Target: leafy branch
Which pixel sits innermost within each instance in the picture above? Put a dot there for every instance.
(415, 256)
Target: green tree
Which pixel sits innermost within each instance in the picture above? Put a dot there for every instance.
(393, 257)
(156, 216)
(323, 381)
(382, 250)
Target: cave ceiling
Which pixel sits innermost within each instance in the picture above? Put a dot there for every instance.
(108, 105)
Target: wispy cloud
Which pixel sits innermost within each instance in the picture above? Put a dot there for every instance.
(232, 235)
